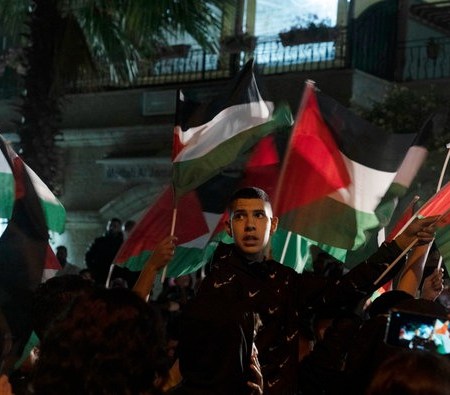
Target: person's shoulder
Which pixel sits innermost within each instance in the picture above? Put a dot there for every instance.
(279, 267)
(98, 239)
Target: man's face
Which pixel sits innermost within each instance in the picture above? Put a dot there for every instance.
(114, 227)
(251, 225)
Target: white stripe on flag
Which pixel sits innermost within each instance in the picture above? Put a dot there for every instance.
(228, 123)
(368, 186)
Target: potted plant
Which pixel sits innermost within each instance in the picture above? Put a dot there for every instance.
(172, 51)
(239, 42)
(308, 30)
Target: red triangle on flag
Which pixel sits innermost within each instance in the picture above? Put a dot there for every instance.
(313, 166)
(157, 221)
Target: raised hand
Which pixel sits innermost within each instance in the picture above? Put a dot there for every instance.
(423, 229)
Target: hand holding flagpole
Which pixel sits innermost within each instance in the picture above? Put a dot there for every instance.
(439, 186)
(421, 230)
(172, 233)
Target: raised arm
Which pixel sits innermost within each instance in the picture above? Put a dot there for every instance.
(163, 253)
(366, 277)
(411, 276)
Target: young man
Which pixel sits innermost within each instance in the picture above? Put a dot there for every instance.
(244, 274)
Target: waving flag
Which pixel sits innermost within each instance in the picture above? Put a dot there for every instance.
(201, 214)
(54, 212)
(210, 136)
(24, 248)
(211, 143)
(337, 169)
(390, 207)
(192, 225)
(439, 204)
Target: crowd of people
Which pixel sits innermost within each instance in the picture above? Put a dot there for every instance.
(252, 326)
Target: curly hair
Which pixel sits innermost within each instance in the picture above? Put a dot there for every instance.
(110, 342)
(52, 298)
(412, 372)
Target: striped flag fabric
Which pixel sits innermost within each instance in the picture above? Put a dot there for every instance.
(337, 169)
(212, 143)
(209, 136)
(24, 244)
(439, 204)
(54, 212)
(201, 214)
(193, 228)
(392, 204)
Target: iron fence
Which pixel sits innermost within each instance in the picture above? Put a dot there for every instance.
(425, 59)
(415, 60)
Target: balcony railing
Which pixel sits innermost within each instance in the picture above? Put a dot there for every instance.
(417, 60)
(270, 55)
(425, 59)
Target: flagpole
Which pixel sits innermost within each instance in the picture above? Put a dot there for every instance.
(439, 186)
(444, 168)
(309, 86)
(405, 251)
(175, 152)
(172, 233)
(285, 247)
(388, 269)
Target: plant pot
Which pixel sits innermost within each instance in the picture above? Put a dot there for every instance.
(307, 35)
(236, 44)
(173, 51)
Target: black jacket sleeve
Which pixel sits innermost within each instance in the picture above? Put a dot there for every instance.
(316, 293)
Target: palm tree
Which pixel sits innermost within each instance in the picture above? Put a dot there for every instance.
(62, 38)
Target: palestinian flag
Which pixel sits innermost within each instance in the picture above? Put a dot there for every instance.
(337, 169)
(439, 204)
(198, 214)
(7, 185)
(54, 212)
(262, 171)
(212, 142)
(201, 214)
(24, 248)
(209, 136)
(395, 202)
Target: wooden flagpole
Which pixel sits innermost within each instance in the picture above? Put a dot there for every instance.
(444, 168)
(285, 247)
(439, 186)
(309, 85)
(172, 233)
(388, 269)
(405, 251)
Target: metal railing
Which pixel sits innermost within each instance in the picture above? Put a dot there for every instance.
(416, 60)
(271, 57)
(425, 59)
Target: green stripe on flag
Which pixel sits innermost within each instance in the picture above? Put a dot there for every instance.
(54, 211)
(190, 174)
(55, 215)
(331, 222)
(297, 254)
(136, 262)
(186, 260)
(6, 195)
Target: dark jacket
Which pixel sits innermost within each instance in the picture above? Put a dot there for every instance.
(100, 255)
(284, 300)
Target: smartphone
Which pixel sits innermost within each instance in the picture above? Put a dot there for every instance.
(418, 331)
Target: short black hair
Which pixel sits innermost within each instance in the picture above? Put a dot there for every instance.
(248, 193)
